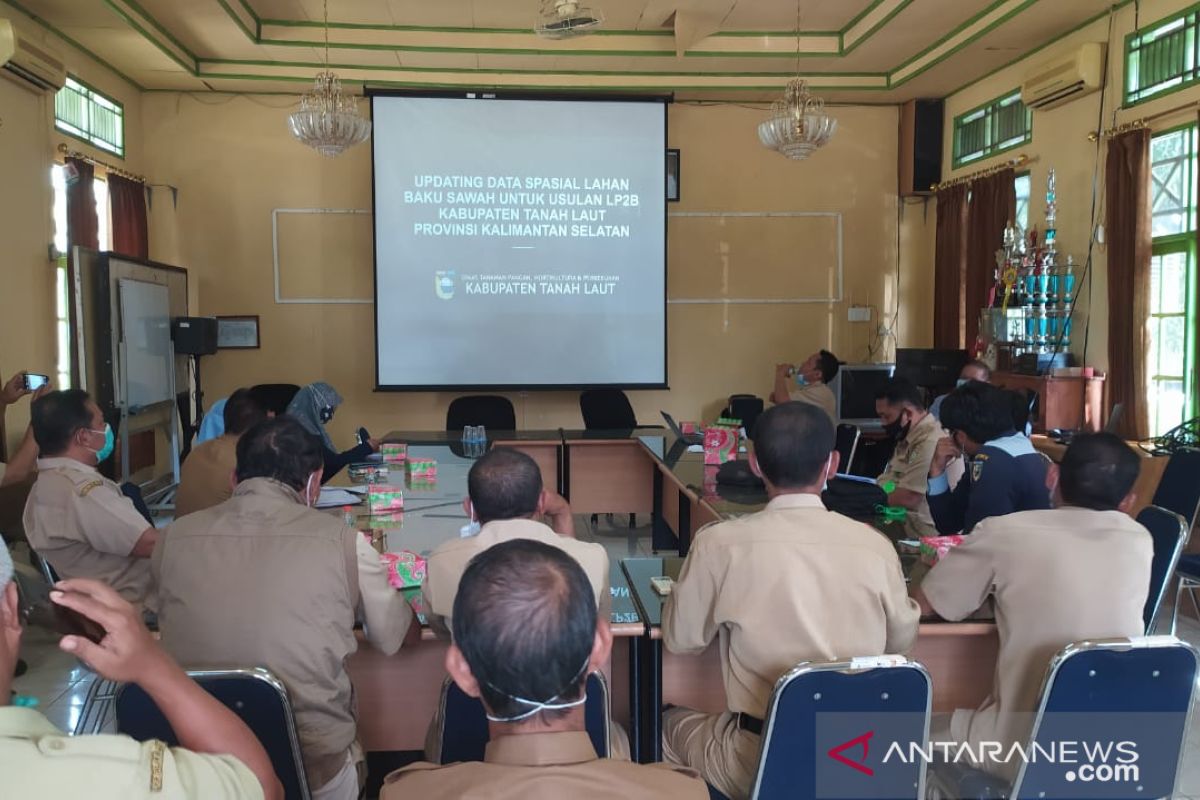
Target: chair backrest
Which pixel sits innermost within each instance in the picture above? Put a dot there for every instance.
(606, 410)
(1137, 692)
(255, 695)
(48, 571)
(829, 724)
(463, 732)
(846, 444)
(489, 410)
(1114, 418)
(275, 396)
(746, 407)
(1179, 491)
(1169, 532)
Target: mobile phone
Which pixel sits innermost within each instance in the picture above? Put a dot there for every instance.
(70, 622)
(34, 381)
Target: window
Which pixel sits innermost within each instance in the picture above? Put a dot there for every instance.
(1163, 57)
(1170, 363)
(83, 112)
(62, 289)
(1024, 188)
(991, 129)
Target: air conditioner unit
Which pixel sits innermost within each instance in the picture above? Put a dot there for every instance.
(1065, 79)
(36, 66)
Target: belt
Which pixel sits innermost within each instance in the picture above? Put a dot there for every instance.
(750, 723)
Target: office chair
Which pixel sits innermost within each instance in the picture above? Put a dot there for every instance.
(1179, 490)
(746, 407)
(275, 397)
(255, 695)
(462, 732)
(606, 410)
(1169, 532)
(1114, 690)
(491, 411)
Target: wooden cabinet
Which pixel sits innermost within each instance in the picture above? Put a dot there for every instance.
(1074, 403)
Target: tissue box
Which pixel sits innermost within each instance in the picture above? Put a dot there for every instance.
(368, 473)
(384, 497)
(395, 452)
(388, 520)
(406, 569)
(422, 484)
(422, 468)
(935, 548)
(720, 445)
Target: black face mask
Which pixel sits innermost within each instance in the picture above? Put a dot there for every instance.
(897, 430)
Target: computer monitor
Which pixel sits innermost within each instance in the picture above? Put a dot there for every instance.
(855, 388)
(932, 369)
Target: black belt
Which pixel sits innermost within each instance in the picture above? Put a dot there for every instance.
(750, 723)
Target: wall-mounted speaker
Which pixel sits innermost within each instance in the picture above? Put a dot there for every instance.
(194, 336)
(921, 131)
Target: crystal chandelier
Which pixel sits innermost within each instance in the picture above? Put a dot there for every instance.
(798, 124)
(328, 121)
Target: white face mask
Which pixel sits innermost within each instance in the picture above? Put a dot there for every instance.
(308, 490)
(537, 706)
(828, 464)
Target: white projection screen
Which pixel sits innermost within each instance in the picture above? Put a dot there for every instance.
(520, 243)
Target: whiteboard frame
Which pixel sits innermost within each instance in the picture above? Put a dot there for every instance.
(279, 298)
(763, 301)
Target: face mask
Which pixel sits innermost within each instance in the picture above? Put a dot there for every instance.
(801, 380)
(109, 442)
(537, 706)
(472, 528)
(897, 430)
(825, 484)
(961, 382)
(308, 490)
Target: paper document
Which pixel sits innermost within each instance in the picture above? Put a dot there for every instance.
(331, 498)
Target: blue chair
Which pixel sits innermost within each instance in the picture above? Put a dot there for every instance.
(1179, 488)
(1169, 532)
(825, 717)
(255, 695)
(1137, 691)
(463, 730)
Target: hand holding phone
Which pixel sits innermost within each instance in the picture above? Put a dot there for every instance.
(35, 381)
(112, 638)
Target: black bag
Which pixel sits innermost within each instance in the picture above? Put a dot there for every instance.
(852, 498)
(738, 473)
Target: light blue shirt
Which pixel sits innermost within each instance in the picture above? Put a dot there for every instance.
(213, 424)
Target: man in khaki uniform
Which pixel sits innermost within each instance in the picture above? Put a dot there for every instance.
(809, 383)
(263, 579)
(526, 635)
(206, 476)
(1080, 571)
(218, 758)
(792, 583)
(75, 518)
(916, 432)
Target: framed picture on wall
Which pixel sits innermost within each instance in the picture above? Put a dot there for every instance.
(673, 176)
(238, 333)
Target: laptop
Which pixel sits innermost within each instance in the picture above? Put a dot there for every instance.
(688, 438)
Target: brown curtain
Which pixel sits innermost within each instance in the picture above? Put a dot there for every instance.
(82, 224)
(1127, 222)
(949, 266)
(130, 234)
(993, 206)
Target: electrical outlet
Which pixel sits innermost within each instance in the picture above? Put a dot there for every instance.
(859, 314)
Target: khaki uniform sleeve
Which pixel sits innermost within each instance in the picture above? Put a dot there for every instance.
(385, 611)
(962, 581)
(107, 518)
(210, 777)
(902, 613)
(914, 474)
(689, 615)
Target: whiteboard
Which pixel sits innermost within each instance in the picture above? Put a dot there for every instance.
(148, 359)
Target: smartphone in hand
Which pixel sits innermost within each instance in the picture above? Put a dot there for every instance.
(35, 381)
(69, 622)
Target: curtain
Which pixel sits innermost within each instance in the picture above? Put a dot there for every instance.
(130, 235)
(949, 265)
(1127, 221)
(82, 224)
(993, 206)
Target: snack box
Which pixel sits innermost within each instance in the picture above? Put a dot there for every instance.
(935, 548)
(425, 468)
(720, 445)
(384, 497)
(395, 452)
(406, 569)
(368, 473)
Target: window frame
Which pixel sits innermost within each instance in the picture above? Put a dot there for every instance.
(91, 139)
(1132, 96)
(990, 149)
(1028, 201)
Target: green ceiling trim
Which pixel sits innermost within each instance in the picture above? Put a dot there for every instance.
(251, 34)
(1003, 19)
(129, 20)
(876, 28)
(81, 48)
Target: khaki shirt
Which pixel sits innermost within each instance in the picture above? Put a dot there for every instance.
(792, 583)
(543, 766)
(909, 469)
(819, 395)
(261, 580)
(446, 564)
(79, 521)
(1055, 577)
(205, 478)
(39, 761)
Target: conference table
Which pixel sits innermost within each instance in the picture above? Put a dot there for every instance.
(645, 471)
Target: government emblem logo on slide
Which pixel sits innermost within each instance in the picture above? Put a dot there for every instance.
(443, 284)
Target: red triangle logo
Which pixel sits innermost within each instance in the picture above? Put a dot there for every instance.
(861, 764)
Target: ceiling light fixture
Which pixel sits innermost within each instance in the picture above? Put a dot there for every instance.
(798, 124)
(328, 120)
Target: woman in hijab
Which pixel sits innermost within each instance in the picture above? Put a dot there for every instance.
(313, 407)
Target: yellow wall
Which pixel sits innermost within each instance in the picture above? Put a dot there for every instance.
(1060, 142)
(27, 150)
(234, 162)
